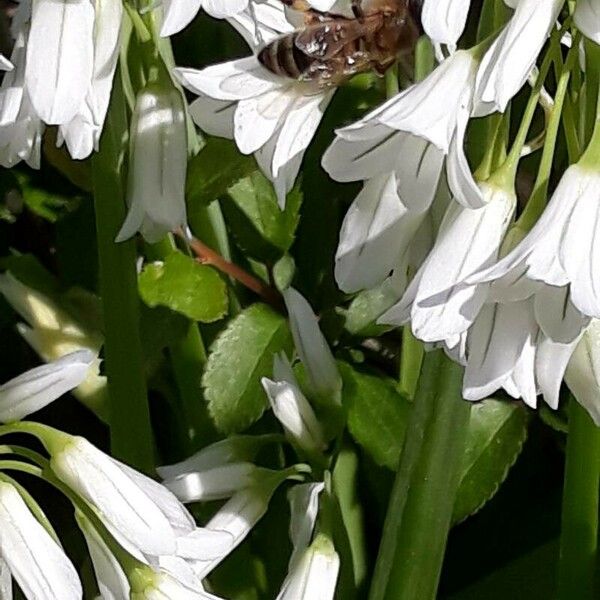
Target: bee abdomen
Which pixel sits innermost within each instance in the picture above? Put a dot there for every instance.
(282, 57)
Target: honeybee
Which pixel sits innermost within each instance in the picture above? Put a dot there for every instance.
(332, 47)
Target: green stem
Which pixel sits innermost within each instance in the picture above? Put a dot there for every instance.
(411, 357)
(539, 196)
(422, 500)
(392, 87)
(130, 429)
(592, 84)
(579, 529)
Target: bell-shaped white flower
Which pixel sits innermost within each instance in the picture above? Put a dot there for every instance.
(304, 509)
(444, 21)
(40, 386)
(562, 247)
(271, 116)
(293, 410)
(587, 19)
(34, 559)
(150, 584)
(508, 62)
(118, 498)
(437, 302)
(156, 186)
(314, 577)
(323, 377)
(376, 235)
(178, 14)
(411, 133)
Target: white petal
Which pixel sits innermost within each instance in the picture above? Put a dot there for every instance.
(60, 55)
(36, 561)
(508, 62)
(376, 232)
(223, 8)
(112, 581)
(587, 19)
(233, 80)
(304, 507)
(214, 117)
(214, 484)
(178, 14)
(119, 500)
(6, 587)
(550, 364)
(444, 20)
(557, 317)
(323, 376)
(205, 544)
(583, 371)
(495, 345)
(40, 386)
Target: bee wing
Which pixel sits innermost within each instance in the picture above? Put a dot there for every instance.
(323, 41)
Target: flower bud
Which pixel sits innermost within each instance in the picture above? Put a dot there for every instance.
(156, 186)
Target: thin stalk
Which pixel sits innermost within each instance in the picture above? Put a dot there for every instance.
(422, 500)
(130, 429)
(579, 529)
(392, 87)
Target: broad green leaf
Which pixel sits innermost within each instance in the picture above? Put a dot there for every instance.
(497, 431)
(260, 228)
(240, 356)
(185, 286)
(217, 167)
(377, 414)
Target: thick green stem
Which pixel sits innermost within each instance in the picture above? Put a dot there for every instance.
(579, 530)
(422, 500)
(130, 430)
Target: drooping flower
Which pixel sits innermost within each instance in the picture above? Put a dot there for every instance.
(444, 21)
(156, 185)
(587, 19)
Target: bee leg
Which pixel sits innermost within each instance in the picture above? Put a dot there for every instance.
(357, 9)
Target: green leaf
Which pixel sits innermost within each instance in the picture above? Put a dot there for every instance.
(377, 414)
(185, 286)
(240, 356)
(260, 228)
(217, 167)
(497, 431)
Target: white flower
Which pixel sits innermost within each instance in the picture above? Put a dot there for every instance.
(148, 584)
(376, 235)
(40, 386)
(34, 559)
(292, 409)
(323, 377)
(410, 134)
(314, 576)
(444, 21)
(437, 302)
(508, 62)
(587, 19)
(156, 186)
(304, 509)
(178, 14)
(271, 116)
(119, 499)
(563, 246)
